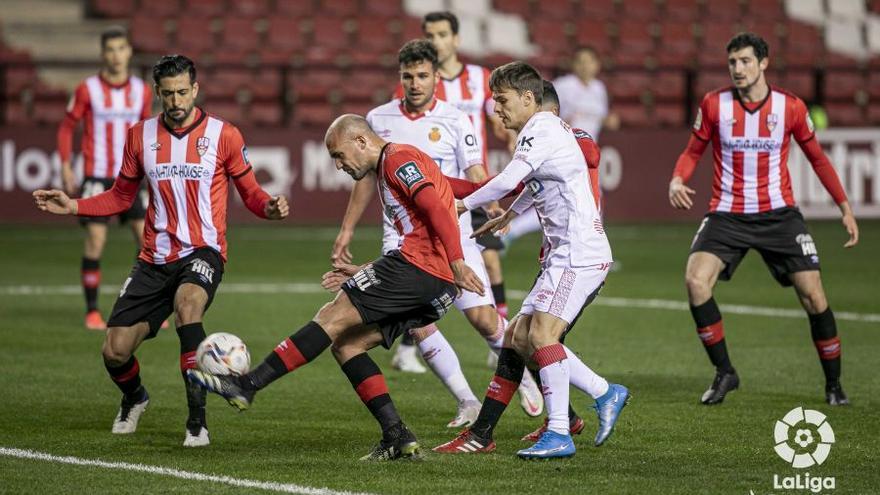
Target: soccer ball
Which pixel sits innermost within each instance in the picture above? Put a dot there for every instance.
(223, 354)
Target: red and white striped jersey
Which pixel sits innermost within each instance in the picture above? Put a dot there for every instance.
(188, 174)
(403, 171)
(750, 148)
(108, 111)
(469, 92)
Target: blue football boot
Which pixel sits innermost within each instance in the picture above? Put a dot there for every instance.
(608, 409)
(550, 445)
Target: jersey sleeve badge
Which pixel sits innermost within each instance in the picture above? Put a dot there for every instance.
(409, 174)
(698, 122)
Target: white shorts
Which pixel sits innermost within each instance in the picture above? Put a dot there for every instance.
(472, 258)
(565, 291)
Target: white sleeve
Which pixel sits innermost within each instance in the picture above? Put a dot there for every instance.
(603, 100)
(499, 186)
(523, 202)
(467, 150)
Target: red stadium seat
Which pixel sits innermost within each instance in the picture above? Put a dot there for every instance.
(710, 81)
(251, 8)
(20, 77)
(874, 85)
(285, 34)
(410, 29)
(771, 10)
(635, 37)
(600, 10)
(845, 115)
(559, 10)
(669, 86)
(550, 35)
(629, 85)
(204, 9)
(874, 114)
(341, 8)
(148, 34)
(801, 83)
(295, 9)
(643, 10)
(843, 86)
(330, 32)
(632, 115)
(16, 113)
(677, 45)
(194, 35)
(266, 114)
(266, 84)
(360, 108)
(313, 114)
(723, 13)
(372, 35)
(49, 112)
(163, 8)
(593, 33)
(113, 8)
(385, 8)
(681, 10)
(314, 85)
(225, 83)
(228, 110)
(522, 8)
(240, 33)
(669, 114)
(712, 52)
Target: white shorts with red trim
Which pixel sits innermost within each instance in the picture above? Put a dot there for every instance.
(562, 291)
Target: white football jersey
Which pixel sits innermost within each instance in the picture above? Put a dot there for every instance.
(560, 187)
(444, 132)
(584, 106)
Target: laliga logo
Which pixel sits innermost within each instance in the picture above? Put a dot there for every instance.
(808, 450)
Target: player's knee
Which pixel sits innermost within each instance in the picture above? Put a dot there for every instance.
(520, 343)
(815, 302)
(697, 286)
(485, 321)
(115, 353)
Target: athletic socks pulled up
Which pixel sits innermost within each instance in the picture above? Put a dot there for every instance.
(500, 299)
(90, 275)
(507, 377)
(127, 377)
(823, 329)
(191, 335)
(710, 328)
(369, 383)
(298, 349)
(554, 370)
(443, 361)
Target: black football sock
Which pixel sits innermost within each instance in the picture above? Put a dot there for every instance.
(500, 298)
(824, 331)
(90, 273)
(710, 328)
(572, 414)
(298, 349)
(127, 377)
(507, 377)
(369, 383)
(191, 336)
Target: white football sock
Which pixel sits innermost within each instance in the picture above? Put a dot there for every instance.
(554, 385)
(583, 378)
(443, 361)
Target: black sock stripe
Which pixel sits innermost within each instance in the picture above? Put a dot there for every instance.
(191, 336)
(706, 314)
(311, 340)
(359, 368)
(510, 365)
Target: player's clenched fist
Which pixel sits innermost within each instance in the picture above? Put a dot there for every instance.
(54, 201)
(277, 208)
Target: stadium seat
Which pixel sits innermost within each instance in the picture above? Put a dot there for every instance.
(317, 115)
(508, 34)
(872, 33)
(16, 113)
(847, 9)
(20, 77)
(266, 114)
(360, 108)
(226, 83)
(266, 83)
(251, 8)
(669, 86)
(372, 35)
(801, 83)
(228, 110)
(632, 115)
(194, 35)
(203, 9)
(339, 8)
(677, 45)
(471, 8)
(712, 52)
(844, 115)
(294, 9)
(522, 8)
(628, 85)
(330, 32)
(809, 11)
(765, 10)
(314, 84)
(284, 33)
(385, 8)
(113, 8)
(681, 10)
(669, 114)
(160, 9)
(844, 36)
(710, 81)
(598, 10)
(418, 8)
(550, 35)
(723, 13)
(593, 33)
(874, 85)
(48, 112)
(642, 10)
(843, 86)
(149, 34)
(240, 33)
(635, 37)
(874, 114)
(409, 29)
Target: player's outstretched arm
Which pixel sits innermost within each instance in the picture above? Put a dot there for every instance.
(360, 197)
(55, 201)
(830, 180)
(680, 195)
(500, 185)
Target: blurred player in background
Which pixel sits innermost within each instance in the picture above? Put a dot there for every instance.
(109, 103)
(466, 86)
(188, 158)
(447, 135)
(750, 126)
(574, 263)
(583, 103)
(409, 287)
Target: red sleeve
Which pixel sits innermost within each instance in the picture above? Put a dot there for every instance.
(254, 197)
(76, 109)
(704, 127)
(233, 152)
(802, 128)
(439, 220)
(687, 161)
(148, 102)
(118, 199)
(463, 188)
(823, 168)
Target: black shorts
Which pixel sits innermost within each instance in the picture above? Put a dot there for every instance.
(394, 294)
(92, 186)
(148, 292)
(487, 240)
(780, 235)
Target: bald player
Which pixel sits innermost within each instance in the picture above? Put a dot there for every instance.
(411, 287)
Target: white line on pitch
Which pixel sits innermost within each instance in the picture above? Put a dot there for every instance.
(310, 288)
(174, 473)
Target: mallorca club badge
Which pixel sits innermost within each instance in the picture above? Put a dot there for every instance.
(434, 135)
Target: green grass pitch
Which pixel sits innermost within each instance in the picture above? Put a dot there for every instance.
(309, 428)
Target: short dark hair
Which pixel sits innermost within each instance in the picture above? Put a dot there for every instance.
(113, 32)
(441, 16)
(416, 51)
(550, 95)
(744, 40)
(174, 65)
(518, 76)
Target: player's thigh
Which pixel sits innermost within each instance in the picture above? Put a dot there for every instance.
(96, 238)
(517, 336)
(147, 296)
(355, 340)
(190, 301)
(121, 342)
(338, 316)
(484, 319)
(545, 329)
(703, 268)
(197, 278)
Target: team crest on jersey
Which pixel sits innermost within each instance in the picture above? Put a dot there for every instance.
(156, 146)
(244, 155)
(810, 124)
(434, 135)
(410, 174)
(772, 120)
(202, 145)
(698, 122)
